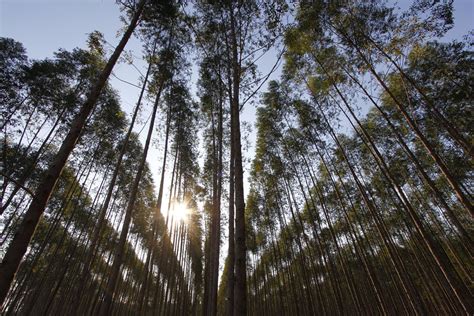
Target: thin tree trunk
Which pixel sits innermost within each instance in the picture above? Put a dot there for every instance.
(119, 253)
(240, 291)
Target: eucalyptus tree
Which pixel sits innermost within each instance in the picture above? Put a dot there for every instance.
(247, 29)
(346, 169)
(184, 129)
(337, 36)
(69, 213)
(212, 104)
(69, 74)
(359, 200)
(180, 122)
(19, 244)
(14, 63)
(102, 132)
(167, 65)
(123, 145)
(365, 33)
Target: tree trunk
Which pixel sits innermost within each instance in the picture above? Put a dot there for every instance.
(240, 294)
(112, 283)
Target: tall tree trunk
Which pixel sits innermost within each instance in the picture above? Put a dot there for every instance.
(435, 249)
(105, 205)
(240, 292)
(119, 252)
(465, 200)
(450, 128)
(436, 192)
(231, 250)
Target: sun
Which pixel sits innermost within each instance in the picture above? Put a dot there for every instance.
(180, 211)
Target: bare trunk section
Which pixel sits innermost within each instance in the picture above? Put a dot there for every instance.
(240, 294)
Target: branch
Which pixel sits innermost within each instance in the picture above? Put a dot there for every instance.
(128, 82)
(18, 184)
(275, 66)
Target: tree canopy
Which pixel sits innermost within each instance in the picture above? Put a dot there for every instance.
(357, 198)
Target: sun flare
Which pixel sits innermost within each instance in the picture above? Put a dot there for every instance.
(180, 212)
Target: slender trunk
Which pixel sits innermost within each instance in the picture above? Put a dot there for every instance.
(158, 210)
(435, 249)
(240, 291)
(112, 283)
(231, 250)
(27, 174)
(450, 128)
(428, 146)
(436, 192)
(105, 205)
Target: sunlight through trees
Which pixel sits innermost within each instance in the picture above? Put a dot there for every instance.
(355, 197)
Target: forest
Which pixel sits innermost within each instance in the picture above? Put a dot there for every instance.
(356, 197)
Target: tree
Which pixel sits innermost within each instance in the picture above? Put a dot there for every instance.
(19, 244)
